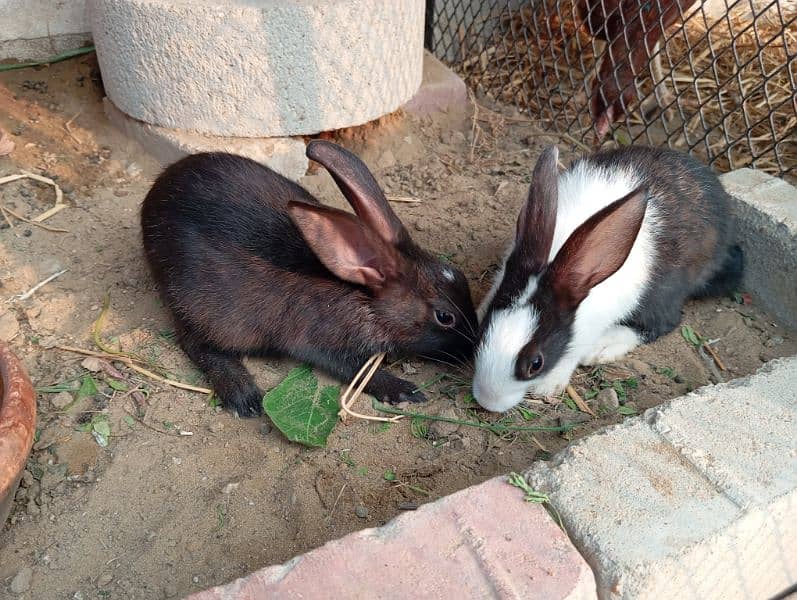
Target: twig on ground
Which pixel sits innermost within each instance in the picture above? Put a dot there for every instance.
(69, 130)
(582, 406)
(337, 499)
(36, 287)
(59, 194)
(147, 425)
(16, 215)
(404, 199)
(5, 216)
(714, 355)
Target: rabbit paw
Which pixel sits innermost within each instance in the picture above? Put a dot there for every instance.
(615, 343)
(393, 390)
(245, 404)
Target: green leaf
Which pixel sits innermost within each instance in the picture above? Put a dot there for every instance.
(690, 335)
(419, 428)
(129, 420)
(527, 414)
(168, 425)
(85, 427)
(103, 428)
(87, 389)
(469, 399)
(119, 386)
(102, 440)
(384, 427)
(302, 412)
(570, 403)
(667, 372)
(626, 410)
(389, 475)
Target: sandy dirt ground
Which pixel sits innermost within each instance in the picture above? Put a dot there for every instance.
(156, 514)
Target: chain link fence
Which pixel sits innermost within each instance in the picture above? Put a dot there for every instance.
(715, 77)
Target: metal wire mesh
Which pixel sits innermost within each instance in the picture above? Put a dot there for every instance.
(715, 77)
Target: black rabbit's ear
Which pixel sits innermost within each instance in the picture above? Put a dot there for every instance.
(345, 246)
(360, 188)
(537, 220)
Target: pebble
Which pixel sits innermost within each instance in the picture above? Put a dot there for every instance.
(61, 400)
(215, 426)
(195, 579)
(21, 582)
(419, 226)
(230, 487)
(408, 505)
(361, 512)
(176, 460)
(92, 363)
(9, 328)
(607, 399)
(442, 429)
(170, 590)
(265, 429)
(104, 579)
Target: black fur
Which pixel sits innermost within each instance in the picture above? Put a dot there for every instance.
(239, 279)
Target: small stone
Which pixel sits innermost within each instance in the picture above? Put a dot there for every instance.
(9, 328)
(32, 509)
(408, 369)
(573, 417)
(419, 226)
(607, 400)
(195, 579)
(61, 400)
(27, 479)
(678, 379)
(215, 426)
(22, 494)
(441, 429)
(775, 340)
(92, 364)
(361, 512)
(177, 460)
(104, 580)
(230, 487)
(133, 170)
(48, 342)
(170, 590)
(408, 505)
(21, 582)
(265, 429)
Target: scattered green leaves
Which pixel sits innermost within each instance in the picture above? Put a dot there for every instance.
(668, 372)
(130, 421)
(168, 425)
(532, 495)
(301, 411)
(362, 471)
(346, 459)
(213, 400)
(384, 427)
(389, 475)
(571, 404)
(626, 410)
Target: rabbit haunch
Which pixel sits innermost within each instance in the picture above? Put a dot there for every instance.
(604, 258)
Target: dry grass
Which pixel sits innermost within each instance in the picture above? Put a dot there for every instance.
(539, 60)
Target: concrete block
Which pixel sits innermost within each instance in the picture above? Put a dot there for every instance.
(259, 69)
(482, 542)
(766, 211)
(694, 499)
(39, 29)
(284, 155)
(441, 89)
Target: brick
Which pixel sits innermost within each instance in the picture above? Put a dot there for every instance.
(694, 499)
(284, 155)
(765, 209)
(482, 542)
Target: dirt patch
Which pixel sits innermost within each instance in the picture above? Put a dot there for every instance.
(159, 514)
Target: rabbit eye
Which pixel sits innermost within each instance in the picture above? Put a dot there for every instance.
(444, 318)
(528, 370)
(536, 364)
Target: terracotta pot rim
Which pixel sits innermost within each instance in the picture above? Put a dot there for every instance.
(17, 419)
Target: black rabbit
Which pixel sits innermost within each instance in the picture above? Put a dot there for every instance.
(250, 263)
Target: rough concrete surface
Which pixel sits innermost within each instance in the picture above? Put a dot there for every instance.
(259, 69)
(695, 499)
(441, 89)
(284, 155)
(482, 542)
(39, 29)
(766, 212)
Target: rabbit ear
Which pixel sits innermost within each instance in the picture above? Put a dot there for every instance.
(537, 219)
(347, 248)
(596, 249)
(360, 188)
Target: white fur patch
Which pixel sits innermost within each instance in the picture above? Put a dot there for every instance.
(494, 384)
(449, 274)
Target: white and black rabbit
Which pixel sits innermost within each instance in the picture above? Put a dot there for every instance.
(604, 257)
(250, 263)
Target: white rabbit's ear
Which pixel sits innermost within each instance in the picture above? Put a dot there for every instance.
(537, 220)
(596, 249)
(360, 188)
